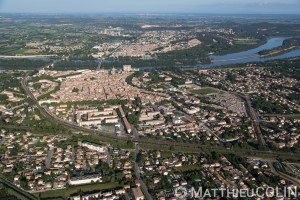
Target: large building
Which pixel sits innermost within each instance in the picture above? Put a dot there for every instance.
(85, 179)
(138, 194)
(92, 146)
(127, 125)
(127, 68)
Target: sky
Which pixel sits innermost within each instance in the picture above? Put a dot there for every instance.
(151, 6)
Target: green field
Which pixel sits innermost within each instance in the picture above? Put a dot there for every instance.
(203, 91)
(65, 193)
(292, 117)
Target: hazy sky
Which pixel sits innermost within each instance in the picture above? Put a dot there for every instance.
(152, 6)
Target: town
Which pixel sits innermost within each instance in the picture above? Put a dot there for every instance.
(192, 106)
(143, 107)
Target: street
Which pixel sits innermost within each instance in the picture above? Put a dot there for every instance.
(138, 174)
(48, 158)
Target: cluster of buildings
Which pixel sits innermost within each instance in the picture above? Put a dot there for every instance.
(257, 82)
(285, 134)
(101, 85)
(40, 163)
(50, 162)
(105, 49)
(26, 159)
(117, 31)
(186, 117)
(53, 46)
(164, 172)
(112, 194)
(87, 116)
(151, 42)
(12, 96)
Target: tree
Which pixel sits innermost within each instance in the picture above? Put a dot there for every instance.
(37, 86)
(75, 90)
(133, 119)
(3, 97)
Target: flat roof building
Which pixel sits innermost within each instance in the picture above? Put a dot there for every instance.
(85, 179)
(137, 193)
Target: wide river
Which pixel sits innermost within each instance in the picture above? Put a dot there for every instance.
(244, 56)
(252, 54)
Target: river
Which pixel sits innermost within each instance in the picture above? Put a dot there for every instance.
(252, 54)
(248, 56)
(244, 56)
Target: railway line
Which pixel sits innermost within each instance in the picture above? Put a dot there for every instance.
(254, 119)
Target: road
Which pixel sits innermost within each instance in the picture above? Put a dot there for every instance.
(282, 175)
(212, 132)
(138, 174)
(48, 158)
(134, 131)
(137, 168)
(73, 155)
(20, 191)
(254, 118)
(74, 118)
(281, 115)
(2, 141)
(108, 157)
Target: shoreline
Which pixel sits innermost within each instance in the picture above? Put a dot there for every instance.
(279, 52)
(29, 56)
(234, 59)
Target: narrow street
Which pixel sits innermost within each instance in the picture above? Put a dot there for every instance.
(138, 174)
(108, 157)
(134, 131)
(48, 158)
(2, 140)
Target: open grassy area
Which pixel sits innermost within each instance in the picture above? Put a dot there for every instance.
(204, 91)
(292, 117)
(65, 193)
(187, 168)
(246, 41)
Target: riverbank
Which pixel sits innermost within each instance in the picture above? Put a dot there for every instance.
(235, 59)
(28, 56)
(275, 53)
(279, 52)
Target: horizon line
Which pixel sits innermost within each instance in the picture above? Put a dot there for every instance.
(143, 13)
